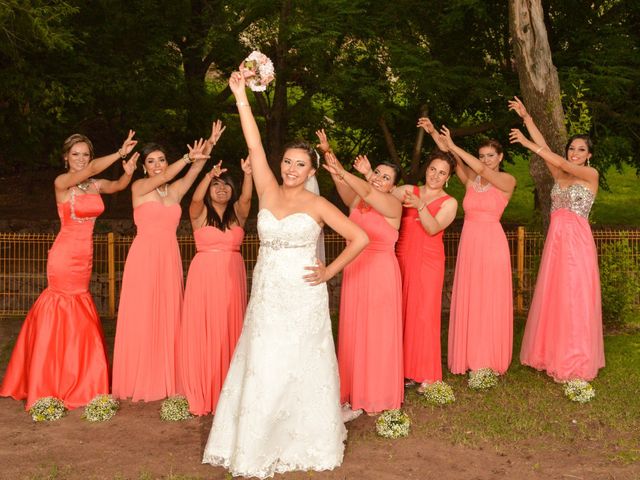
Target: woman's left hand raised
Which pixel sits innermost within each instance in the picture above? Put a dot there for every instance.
(317, 275)
(130, 165)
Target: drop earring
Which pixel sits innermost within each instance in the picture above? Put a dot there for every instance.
(588, 163)
(446, 184)
(144, 170)
(66, 164)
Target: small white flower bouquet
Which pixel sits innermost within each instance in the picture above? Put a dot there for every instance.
(579, 391)
(101, 408)
(438, 393)
(258, 70)
(393, 424)
(175, 409)
(482, 379)
(47, 409)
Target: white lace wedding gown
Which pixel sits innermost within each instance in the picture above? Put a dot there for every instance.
(279, 409)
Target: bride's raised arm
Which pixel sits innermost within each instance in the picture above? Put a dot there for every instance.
(263, 177)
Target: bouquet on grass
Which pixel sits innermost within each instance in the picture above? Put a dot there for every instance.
(258, 70)
(579, 391)
(47, 409)
(482, 379)
(393, 424)
(101, 408)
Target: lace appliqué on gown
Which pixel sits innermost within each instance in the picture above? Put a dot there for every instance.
(279, 407)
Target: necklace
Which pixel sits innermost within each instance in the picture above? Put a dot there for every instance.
(478, 187)
(161, 192)
(84, 186)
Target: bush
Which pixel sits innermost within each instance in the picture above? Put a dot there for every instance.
(620, 281)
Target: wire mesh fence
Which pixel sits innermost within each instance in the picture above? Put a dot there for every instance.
(23, 265)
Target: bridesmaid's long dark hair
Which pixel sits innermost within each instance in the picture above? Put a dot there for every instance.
(229, 216)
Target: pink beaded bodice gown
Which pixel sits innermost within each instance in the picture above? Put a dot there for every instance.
(421, 258)
(370, 331)
(150, 307)
(563, 335)
(60, 349)
(215, 299)
(481, 316)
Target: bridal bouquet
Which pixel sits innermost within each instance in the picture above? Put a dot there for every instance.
(483, 379)
(393, 424)
(579, 391)
(101, 409)
(174, 409)
(47, 409)
(438, 393)
(258, 70)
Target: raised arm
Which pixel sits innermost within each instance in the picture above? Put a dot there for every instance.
(198, 158)
(385, 203)
(243, 204)
(517, 106)
(356, 239)
(501, 180)
(95, 166)
(263, 177)
(113, 186)
(556, 163)
(463, 171)
(432, 224)
(216, 132)
(145, 185)
(196, 207)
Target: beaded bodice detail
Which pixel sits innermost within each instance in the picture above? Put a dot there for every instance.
(576, 198)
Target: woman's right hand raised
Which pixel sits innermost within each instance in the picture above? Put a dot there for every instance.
(323, 146)
(362, 165)
(517, 106)
(445, 134)
(237, 83)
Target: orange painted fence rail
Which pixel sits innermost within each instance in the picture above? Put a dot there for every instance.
(23, 260)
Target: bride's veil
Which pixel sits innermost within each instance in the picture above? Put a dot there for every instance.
(313, 187)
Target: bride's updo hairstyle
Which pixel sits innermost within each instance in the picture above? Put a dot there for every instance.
(309, 150)
(75, 139)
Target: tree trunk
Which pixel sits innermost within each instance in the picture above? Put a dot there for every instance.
(540, 89)
(414, 171)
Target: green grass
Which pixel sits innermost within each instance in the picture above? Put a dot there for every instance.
(618, 206)
(527, 404)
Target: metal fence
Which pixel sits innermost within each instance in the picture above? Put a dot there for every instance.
(23, 259)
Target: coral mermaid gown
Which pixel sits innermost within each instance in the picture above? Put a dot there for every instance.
(279, 407)
(370, 332)
(60, 349)
(564, 329)
(150, 307)
(421, 258)
(481, 317)
(215, 299)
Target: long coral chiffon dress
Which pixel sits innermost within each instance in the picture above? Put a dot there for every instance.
(481, 316)
(215, 300)
(370, 331)
(421, 258)
(564, 329)
(150, 307)
(60, 349)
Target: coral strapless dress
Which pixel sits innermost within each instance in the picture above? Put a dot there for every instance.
(481, 317)
(215, 300)
(370, 333)
(421, 258)
(564, 329)
(60, 349)
(150, 307)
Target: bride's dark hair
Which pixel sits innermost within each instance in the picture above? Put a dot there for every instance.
(229, 216)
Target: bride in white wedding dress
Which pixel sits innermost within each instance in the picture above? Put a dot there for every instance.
(279, 409)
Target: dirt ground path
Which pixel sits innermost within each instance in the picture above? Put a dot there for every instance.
(137, 445)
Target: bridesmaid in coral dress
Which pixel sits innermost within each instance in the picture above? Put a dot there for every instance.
(563, 335)
(151, 297)
(428, 210)
(60, 350)
(213, 307)
(481, 316)
(370, 332)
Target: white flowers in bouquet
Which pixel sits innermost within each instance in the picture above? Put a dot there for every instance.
(174, 409)
(258, 70)
(579, 391)
(393, 424)
(101, 408)
(47, 409)
(482, 379)
(438, 393)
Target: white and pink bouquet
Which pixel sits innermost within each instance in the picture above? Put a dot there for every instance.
(258, 70)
